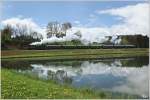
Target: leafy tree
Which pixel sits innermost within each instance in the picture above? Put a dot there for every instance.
(18, 37)
(139, 41)
(6, 36)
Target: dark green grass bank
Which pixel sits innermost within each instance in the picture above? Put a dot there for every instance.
(19, 86)
(72, 53)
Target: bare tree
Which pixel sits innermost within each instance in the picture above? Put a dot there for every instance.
(20, 30)
(66, 26)
(57, 29)
(36, 35)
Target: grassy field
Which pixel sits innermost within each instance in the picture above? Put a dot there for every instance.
(19, 86)
(72, 53)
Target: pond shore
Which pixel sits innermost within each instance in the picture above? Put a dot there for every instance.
(20, 86)
(72, 54)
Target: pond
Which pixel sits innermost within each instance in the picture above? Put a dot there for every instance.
(123, 75)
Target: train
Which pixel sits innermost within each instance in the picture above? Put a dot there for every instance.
(49, 47)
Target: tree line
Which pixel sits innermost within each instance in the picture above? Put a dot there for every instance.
(138, 40)
(20, 36)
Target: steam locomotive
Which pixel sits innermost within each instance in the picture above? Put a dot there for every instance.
(48, 47)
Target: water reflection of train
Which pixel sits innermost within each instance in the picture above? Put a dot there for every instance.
(41, 47)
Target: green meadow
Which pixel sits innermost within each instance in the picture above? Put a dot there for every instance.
(72, 53)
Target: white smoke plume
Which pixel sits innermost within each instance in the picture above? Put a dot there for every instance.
(89, 35)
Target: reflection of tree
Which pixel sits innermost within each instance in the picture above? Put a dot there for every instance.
(125, 62)
(106, 62)
(68, 63)
(50, 74)
(18, 65)
(136, 62)
(79, 72)
(56, 63)
(59, 75)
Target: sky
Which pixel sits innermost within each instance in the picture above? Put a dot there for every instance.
(93, 19)
(74, 12)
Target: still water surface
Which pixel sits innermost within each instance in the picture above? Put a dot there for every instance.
(123, 75)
